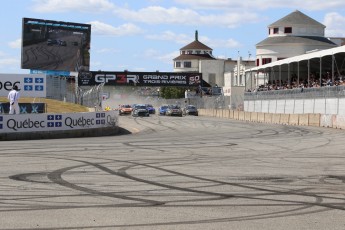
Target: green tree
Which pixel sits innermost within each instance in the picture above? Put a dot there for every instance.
(171, 92)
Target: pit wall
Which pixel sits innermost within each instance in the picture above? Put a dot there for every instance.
(310, 119)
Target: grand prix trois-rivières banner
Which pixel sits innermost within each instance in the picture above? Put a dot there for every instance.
(139, 78)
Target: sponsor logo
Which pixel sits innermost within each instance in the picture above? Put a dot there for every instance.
(54, 120)
(118, 78)
(7, 85)
(100, 118)
(33, 84)
(25, 124)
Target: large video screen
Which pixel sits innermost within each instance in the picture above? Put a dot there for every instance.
(55, 45)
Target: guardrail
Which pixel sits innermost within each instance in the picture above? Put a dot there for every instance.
(311, 119)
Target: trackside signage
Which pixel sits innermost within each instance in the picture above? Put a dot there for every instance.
(139, 78)
(30, 85)
(55, 122)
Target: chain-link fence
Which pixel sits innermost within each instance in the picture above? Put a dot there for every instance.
(298, 93)
(61, 88)
(91, 96)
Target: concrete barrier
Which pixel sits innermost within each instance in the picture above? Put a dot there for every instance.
(224, 113)
(231, 114)
(284, 119)
(311, 119)
(303, 119)
(293, 119)
(261, 117)
(276, 118)
(241, 115)
(247, 116)
(63, 125)
(254, 117)
(268, 117)
(235, 115)
(326, 120)
(340, 122)
(314, 119)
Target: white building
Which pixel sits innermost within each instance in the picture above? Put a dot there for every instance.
(197, 57)
(290, 36)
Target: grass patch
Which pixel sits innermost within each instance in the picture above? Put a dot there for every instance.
(53, 106)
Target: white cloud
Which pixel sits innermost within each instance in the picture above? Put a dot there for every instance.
(178, 16)
(243, 5)
(167, 58)
(17, 44)
(94, 6)
(334, 23)
(100, 28)
(107, 51)
(8, 62)
(171, 36)
(220, 43)
(185, 39)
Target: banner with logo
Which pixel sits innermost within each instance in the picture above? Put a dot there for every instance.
(139, 78)
(51, 122)
(30, 85)
(24, 107)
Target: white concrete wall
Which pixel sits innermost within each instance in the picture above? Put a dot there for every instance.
(297, 106)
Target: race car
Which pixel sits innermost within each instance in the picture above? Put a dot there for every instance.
(125, 110)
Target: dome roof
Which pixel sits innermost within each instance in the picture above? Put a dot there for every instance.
(296, 18)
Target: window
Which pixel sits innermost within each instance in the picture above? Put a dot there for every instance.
(178, 64)
(198, 52)
(288, 30)
(188, 64)
(183, 52)
(275, 30)
(190, 52)
(266, 60)
(269, 31)
(257, 62)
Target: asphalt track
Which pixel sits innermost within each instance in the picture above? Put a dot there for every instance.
(177, 173)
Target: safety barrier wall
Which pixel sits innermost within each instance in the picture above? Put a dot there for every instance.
(310, 119)
(63, 125)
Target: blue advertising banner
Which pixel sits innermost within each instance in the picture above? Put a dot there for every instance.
(24, 108)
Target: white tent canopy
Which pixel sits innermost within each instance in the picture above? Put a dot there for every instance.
(301, 68)
(303, 57)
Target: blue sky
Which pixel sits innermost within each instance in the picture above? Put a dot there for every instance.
(145, 35)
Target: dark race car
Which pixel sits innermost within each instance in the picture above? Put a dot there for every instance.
(191, 110)
(140, 110)
(174, 110)
(150, 108)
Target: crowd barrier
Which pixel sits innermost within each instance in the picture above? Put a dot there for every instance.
(58, 125)
(311, 119)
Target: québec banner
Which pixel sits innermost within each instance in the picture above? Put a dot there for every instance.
(30, 85)
(139, 78)
(56, 122)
